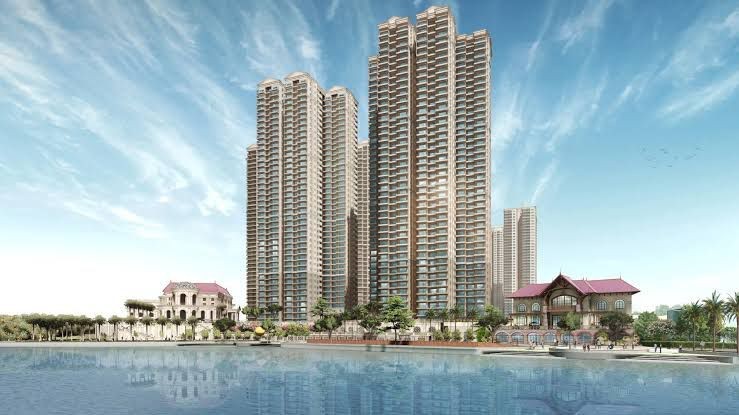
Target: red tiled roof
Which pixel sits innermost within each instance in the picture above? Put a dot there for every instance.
(203, 287)
(605, 286)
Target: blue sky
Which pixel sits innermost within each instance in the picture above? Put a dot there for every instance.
(123, 127)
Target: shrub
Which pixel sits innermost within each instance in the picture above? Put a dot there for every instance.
(295, 329)
(482, 334)
(447, 335)
(469, 335)
(204, 334)
(456, 336)
(437, 335)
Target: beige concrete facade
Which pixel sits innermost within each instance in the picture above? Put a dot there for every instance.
(340, 279)
(496, 241)
(205, 301)
(363, 179)
(252, 154)
(429, 133)
(519, 251)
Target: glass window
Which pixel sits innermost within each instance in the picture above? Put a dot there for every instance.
(501, 337)
(535, 307)
(619, 304)
(602, 305)
(564, 301)
(522, 308)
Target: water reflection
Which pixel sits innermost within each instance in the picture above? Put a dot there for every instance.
(273, 381)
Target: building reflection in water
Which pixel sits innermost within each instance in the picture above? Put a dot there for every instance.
(274, 381)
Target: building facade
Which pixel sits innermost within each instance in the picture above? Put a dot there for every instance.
(429, 138)
(305, 181)
(519, 252)
(538, 308)
(207, 301)
(496, 241)
(363, 179)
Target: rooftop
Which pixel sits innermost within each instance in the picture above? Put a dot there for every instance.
(585, 287)
(202, 287)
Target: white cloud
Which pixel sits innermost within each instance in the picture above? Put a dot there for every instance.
(332, 9)
(590, 19)
(701, 99)
(544, 180)
(417, 3)
(309, 48)
(705, 46)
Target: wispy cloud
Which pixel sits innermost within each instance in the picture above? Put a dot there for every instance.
(588, 21)
(544, 180)
(701, 99)
(331, 12)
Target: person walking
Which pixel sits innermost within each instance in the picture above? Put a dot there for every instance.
(660, 347)
(655, 347)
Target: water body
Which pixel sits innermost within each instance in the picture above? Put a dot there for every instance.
(257, 380)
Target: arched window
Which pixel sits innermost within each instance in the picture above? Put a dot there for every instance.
(202, 315)
(602, 305)
(584, 338)
(550, 338)
(169, 314)
(534, 338)
(517, 337)
(211, 314)
(620, 304)
(522, 308)
(183, 299)
(193, 299)
(183, 315)
(535, 307)
(501, 337)
(193, 313)
(564, 301)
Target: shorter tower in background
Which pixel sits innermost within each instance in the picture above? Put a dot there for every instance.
(518, 253)
(496, 241)
(363, 178)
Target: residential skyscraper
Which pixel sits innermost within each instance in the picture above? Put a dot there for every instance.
(496, 241)
(429, 134)
(251, 224)
(363, 180)
(339, 281)
(302, 197)
(519, 251)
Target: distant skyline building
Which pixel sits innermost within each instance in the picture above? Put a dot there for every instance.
(303, 173)
(429, 134)
(519, 251)
(363, 180)
(496, 241)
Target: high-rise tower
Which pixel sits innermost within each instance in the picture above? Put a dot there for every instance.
(363, 179)
(519, 251)
(429, 134)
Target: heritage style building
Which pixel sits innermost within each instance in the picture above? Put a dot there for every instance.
(537, 308)
(207, 301)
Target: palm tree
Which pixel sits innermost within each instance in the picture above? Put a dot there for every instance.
(472, 315)
(443, 315)
(252, 312)
(162, 321)
(177, 321)
(99, 321)
(455, 313)
(693, 313)
(714, 307)
(115, 321)
(731, 311)
(193, 322)
(430, 316)
(131, 321)
(147, 321)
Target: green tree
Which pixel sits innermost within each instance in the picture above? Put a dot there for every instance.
(397, 314)
(204, 334)
(617, 323)
(714, 308)
(162, 321)
(274, 310)
(99, 321)
(115, 321)
(147, 321)
(491, 319)
(642, 322)
(692, 317)
(131, 321)
(455, 313)
(252, 312)
(177, 322)
(327, 320)
(370, 317)
(193, 322)
(570, 323)
(472, 315)
(660, 330)
(430, 316)
(443, 315)
(731, 311)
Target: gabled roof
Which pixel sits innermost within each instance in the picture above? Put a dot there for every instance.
(203, 287)
(585, 287)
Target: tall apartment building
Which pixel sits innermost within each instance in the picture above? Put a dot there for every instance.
(363, 180)
(339, 282)
(519, 251)
(303, 173)
(251, 224)
(429, 134)
(496, 241)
